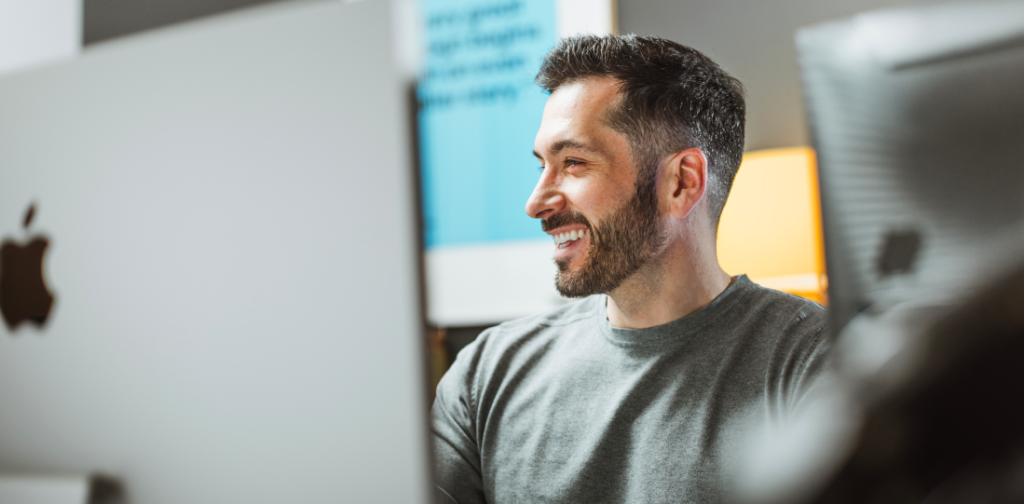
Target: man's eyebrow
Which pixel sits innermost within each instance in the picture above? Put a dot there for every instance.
(567, 143)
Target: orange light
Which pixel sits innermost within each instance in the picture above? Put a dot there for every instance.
(771, 224)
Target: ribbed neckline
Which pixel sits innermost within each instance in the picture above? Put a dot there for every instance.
(677, 329)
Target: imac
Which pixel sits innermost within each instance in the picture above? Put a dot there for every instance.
(917, 115)
(225, 223)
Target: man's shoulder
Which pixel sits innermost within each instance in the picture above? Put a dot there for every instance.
(518, 345)
(536, 329)
(791, 338)
(787, 333)
(569, 313)
(775, 310)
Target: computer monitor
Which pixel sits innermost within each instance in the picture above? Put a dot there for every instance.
(917, 116)
(232, 309)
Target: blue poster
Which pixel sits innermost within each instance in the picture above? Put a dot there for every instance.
(479, 112)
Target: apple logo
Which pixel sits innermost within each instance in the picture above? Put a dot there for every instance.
(23, 292)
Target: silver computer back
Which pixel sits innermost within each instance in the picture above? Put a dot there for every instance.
(917, 115)
(232, 255)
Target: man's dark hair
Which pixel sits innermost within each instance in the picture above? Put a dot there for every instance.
(672, 98)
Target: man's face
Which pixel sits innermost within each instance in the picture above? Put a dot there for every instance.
(588, 190)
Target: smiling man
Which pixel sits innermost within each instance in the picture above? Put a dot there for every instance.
(641, 390)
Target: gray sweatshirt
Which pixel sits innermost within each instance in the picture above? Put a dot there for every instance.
(563, 407)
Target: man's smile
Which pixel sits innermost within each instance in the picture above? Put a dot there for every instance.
(568, 238)
(562, 240)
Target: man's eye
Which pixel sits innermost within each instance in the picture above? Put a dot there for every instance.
(573, 162)
(540, 168)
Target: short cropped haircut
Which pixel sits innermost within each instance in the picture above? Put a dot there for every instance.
(672, 98)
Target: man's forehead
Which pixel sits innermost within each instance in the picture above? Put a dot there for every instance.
(575, 115)
(589, 95)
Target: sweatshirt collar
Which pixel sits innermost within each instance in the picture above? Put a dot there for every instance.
(680, 328)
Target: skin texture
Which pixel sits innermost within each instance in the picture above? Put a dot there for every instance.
(588, 169)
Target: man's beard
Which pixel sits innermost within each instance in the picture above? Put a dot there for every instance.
(619, 246)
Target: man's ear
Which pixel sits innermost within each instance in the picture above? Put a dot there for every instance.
(687, 175)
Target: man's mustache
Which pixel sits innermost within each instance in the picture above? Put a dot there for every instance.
(563, 219)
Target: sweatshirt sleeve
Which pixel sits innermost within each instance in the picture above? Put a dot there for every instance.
(453, 418)
(798, 360)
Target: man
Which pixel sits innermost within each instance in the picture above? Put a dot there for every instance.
(640, 391)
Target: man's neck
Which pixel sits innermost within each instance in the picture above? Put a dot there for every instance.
(684, 279)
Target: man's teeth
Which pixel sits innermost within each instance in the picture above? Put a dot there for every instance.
(561, 238)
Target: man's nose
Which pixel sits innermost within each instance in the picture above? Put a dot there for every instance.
(546, 198)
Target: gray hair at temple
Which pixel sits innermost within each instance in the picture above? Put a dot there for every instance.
(672, 98)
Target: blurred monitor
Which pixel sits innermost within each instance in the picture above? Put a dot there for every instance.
(917, 115)
(231, 310)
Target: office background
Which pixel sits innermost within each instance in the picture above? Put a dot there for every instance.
(752, 39)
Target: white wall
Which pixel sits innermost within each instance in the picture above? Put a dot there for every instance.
(585, 16)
